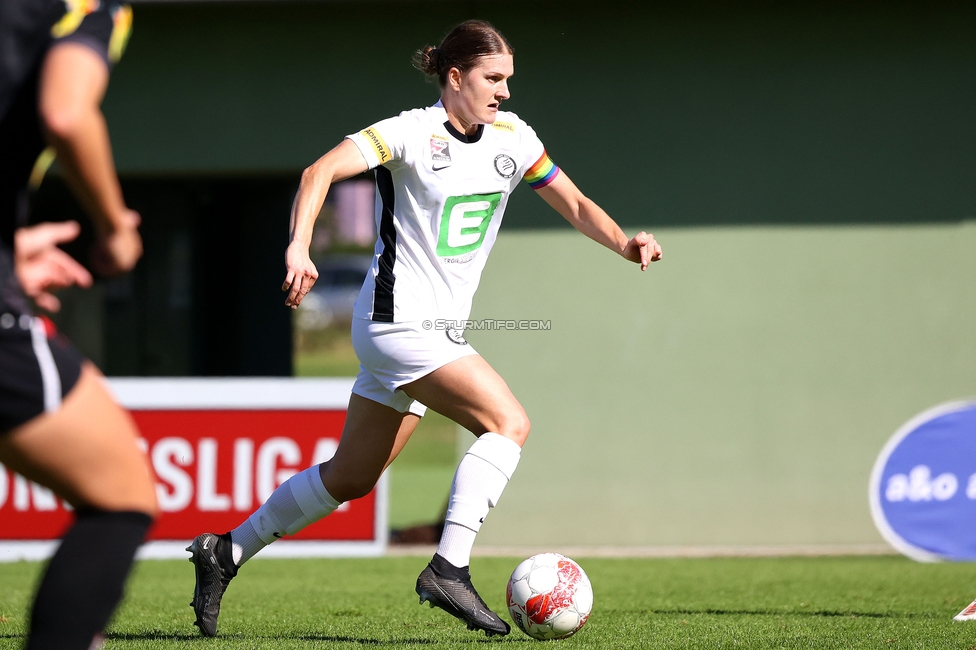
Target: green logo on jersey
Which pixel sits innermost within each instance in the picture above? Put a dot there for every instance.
(464, 223)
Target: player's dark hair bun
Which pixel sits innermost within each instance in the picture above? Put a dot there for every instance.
(427, 60)
(461, 49)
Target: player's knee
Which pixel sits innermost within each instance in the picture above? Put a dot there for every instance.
(515, 426)
(125, 486)
(140, 500)
(131, 499)
(60, 122)
(148, 508)
(149, 505)
(146, 497)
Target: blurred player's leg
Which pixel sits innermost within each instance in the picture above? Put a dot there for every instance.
(84, 581)
(372, 437)
(87, 453)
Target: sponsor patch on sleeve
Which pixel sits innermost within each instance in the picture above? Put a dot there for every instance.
(378, 144)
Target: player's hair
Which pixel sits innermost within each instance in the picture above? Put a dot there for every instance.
(461, 49)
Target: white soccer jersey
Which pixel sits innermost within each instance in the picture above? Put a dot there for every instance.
(440, 200)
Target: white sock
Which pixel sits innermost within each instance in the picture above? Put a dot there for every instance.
(298, 502)
(478, 484)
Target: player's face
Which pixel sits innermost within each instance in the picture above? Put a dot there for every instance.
(482, 88)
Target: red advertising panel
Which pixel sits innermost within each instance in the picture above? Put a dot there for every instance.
(215, 465)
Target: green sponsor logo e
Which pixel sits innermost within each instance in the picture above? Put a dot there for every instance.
(464, 222)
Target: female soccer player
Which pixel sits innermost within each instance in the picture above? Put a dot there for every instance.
(58, 425)
(443, 178)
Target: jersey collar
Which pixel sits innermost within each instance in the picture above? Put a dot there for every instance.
(463, 137)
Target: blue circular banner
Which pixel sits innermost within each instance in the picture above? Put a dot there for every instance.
(923, 487)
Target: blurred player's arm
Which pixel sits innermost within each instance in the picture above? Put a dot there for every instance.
(590, 219)
(344, 161)
(41, 266)
(72, 85)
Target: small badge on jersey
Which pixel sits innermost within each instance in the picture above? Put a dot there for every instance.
(455, 336)
(505, 165)
(440, 153)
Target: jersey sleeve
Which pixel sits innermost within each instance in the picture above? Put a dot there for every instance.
(384, 142)
(539, 168)
(104, 27)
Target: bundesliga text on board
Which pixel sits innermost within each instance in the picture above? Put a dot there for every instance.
(257, 470)
(187, 475)
(212, 469)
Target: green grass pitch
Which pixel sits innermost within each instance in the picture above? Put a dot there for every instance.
(843, 602)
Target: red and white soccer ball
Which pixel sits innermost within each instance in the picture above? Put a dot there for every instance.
(549, 596)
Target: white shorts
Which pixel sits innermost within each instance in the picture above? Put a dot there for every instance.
(393, 354)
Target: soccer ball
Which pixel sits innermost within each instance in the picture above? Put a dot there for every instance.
(549, 596)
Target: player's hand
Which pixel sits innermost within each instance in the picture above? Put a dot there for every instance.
(301, 274)
(42, 267)
(643, 249)
(117, 251)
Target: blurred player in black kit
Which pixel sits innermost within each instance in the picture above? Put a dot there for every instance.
(59, 426)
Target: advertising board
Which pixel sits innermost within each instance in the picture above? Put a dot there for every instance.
(219, 448)
(923, 487)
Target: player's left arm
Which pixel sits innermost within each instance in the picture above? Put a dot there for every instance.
(590, 219)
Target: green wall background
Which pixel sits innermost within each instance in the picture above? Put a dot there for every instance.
(707, 113)
(737, 392)
(809, 170)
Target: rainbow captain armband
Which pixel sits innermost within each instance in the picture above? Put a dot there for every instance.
(542, 172)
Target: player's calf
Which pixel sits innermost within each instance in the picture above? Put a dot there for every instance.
(84, 581)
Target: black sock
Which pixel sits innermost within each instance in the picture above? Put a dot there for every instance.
(83, 582)
(225, 554)
(445, 569)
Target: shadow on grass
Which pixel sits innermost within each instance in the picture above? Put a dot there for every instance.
(775, 612)
(156, 635)
(397, 642)
(153, 635)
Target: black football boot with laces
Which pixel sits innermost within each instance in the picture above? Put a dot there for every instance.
(444, 585)
(213, 561)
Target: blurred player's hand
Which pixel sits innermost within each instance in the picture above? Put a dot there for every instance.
(643, 249)
(42, 267)
(301, 274)
(117, 251)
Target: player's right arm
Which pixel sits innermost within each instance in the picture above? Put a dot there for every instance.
(72, 84)
(345, 161)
